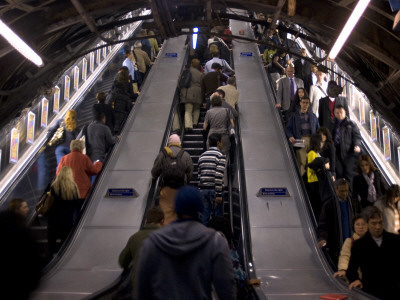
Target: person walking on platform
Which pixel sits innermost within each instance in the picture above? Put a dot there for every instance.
(211, 176)
(326, 108)
(302, 124)
(287, 87)
(185, 260)
(192, 96)
(82, 167)
(211, 82)
(174, 166)
(129, 256)
(347, 139)
(101, 106)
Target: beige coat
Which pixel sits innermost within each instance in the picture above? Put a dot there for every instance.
(231, 94)
(388, 215)
(344, 257)
(142, 61)
(193, 94)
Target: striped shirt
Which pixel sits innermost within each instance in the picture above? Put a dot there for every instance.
(211, 170)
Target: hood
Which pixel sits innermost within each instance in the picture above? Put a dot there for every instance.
(182, 237)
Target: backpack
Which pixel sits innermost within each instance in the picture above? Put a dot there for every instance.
(172, 172)
(83, 137)
(185, 80)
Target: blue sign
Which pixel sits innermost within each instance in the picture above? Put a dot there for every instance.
(171, 54)
(121, 193)
(246, 53)
(269, 192)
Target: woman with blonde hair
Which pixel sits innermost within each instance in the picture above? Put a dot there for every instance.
(61, 215)
(71, 131)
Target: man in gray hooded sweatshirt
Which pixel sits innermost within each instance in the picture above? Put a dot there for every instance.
(184, 259)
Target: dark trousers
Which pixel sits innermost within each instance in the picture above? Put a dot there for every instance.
(345, 168)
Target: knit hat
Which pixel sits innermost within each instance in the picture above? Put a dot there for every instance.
(174, 139)
(188, 201)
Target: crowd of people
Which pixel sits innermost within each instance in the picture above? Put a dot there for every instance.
(187, 232)
(360, 211)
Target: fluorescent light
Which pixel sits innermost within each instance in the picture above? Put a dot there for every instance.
(348, 28)
(19, 44)
(194, 39)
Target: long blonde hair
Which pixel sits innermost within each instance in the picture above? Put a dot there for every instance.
(70, 120)
(64, 185)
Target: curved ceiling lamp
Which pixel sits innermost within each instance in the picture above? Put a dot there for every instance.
(348, 28)
(19, 44)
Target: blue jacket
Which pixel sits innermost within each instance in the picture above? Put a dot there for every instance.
(293, 128)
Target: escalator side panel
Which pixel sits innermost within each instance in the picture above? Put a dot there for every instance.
(91, 261)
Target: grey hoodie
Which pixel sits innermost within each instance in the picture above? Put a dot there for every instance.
(182, 261)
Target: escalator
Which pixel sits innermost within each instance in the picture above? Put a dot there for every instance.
(90, 258)
(282, 230)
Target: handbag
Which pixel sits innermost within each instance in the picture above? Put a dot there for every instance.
(58, 136)
(45, 204)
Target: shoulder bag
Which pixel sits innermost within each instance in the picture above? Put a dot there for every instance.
(45, 203)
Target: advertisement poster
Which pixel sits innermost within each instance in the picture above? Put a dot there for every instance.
(56, 101)
(0, 158)
(45, 112)
(352, 97)
(386, 142)
(372, 120)
(76, 77)
(91, 62)
(398, 156)
(30, 130)
(361, 104)
(67, 84)
(84, 69)
(14, 145)
(98, 53)
(104, 51)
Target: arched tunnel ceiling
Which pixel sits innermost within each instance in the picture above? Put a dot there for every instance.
(61, 30)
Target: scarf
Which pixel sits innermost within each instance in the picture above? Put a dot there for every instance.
(371, 188)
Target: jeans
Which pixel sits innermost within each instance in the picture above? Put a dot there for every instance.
(211, 208)
(60, 152)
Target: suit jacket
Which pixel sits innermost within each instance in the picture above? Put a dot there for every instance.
(303, 71)
(324, 111)
(379, 265)
(283, 94)
(315, 95)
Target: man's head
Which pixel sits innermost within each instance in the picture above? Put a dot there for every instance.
(100, 116)
(137, 44)
(342, 188)
(216, 100)
(101, 97)
(290, 71)
(333, 89)
(304, 104)
(373, 216)
(188, 202)
(216, 67)
(303, 52)
(155, 216)
(340, 112)
(221, 93)
(314, 69)
(215, 140)
(195, 63)
(174, 139)
(231, 81)
(19, 206)
(320, 76)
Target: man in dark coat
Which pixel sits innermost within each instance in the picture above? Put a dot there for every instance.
(185, 259)
(326, 107)
(376, 254)
(101, 106)
(302, 69)
(347, 140)
(334, 224)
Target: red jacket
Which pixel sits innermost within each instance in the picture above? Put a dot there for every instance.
(82, 168)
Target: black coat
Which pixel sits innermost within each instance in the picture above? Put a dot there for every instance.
(379, 265)
(324, 111)
(329, 225)
(349, 137)
(329, 152)
(360, 188)
(303, 71)
(108, 112)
